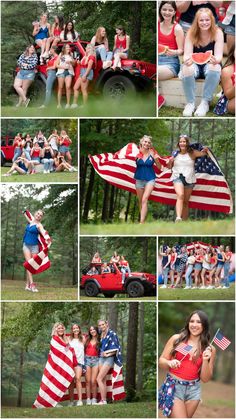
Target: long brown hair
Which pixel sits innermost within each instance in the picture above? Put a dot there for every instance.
(231, 58)
(195, 33)
(80, 336)
(187, 139)
(90, 337)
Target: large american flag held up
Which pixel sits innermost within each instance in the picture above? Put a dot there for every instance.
(211, 191)
(39, 262)
(221, 341)
(183, 348)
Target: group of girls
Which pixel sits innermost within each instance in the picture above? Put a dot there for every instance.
(182, 164)
(197, 31)
(92, 359)
(120, 261)
(53, 153)
(63, 66)
(206, 265)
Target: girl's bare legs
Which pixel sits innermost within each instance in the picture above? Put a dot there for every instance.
(78, 374)
(61, 81)
(18, 86)
(117, 59)
(187, 195)
(140, 193)
(183, 409)
(164, 73)
(29, 276)
(68, 81)
(172, 280)
(144, 204)
(94, 381)
(211, 276)
(203, 276)
(101, 380)
(68, 156)
(84, 90)
(217, 276)
(179, 190)
(191, 407)
(196, 277)
(77, 86)
(88, 375)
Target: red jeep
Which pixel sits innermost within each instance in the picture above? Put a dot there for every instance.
(135, 285)
(7, 149)
(135, 75)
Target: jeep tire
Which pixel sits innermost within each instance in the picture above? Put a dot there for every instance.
(135, 289)
(91, 289)
(118, 86)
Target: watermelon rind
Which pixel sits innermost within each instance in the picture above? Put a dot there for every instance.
(162, 49)
(201, 58)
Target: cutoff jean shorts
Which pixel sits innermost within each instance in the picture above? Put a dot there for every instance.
(188, 392)
(91, 361)
(107, 361)
(140, 184)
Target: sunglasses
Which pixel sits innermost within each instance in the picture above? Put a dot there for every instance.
(183, 136)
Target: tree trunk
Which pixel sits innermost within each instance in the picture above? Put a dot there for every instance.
(132, 351)
(112, 203)
(20, 382)
(4, 249)
(105, 202)
(15, 237)
(136, 18)
(140, 347)
(83, 166)
(113, 316)
(88, 195)
(127, 207)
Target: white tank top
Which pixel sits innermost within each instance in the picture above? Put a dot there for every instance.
(183, 164)
(79, 350)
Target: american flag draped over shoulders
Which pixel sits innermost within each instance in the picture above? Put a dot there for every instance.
(211, 191)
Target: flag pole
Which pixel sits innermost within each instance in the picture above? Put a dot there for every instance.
(184, 357)
(214, 336)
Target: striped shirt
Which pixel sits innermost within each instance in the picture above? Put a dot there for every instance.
(27, 62)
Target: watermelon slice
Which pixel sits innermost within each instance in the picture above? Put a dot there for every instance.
(162, 49)
(201, 57)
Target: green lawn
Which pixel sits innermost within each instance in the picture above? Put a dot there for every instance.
(139, 106)
(166, 111)
(65, 177)
(114, 410)
(165, 228)
(15, 290)
(117, 297)
(197, 294)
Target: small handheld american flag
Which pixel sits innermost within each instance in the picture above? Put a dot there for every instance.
(183, 348)
(220, 340)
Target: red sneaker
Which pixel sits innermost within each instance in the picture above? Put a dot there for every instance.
(161, 101)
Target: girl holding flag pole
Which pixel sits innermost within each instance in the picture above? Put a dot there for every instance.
(189, 358)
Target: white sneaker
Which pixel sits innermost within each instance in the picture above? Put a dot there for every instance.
(70, 404)
(94, 401)
(106, 64)
(210, 287)
(101, 403)
(79, 403)
(58, 106)
(45, 171)
(74, 106)
(224, 287)
(202, 109)
(34, 289)
(88, 402)
(187, 288)
(202, 287)
(178, 219)
(163, 286)
(42, 107)
(67, 106)
(27, 288)
(189, 109)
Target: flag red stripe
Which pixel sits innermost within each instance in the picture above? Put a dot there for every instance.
(53, 379)
(49, 392)
(43, 402)
(60, 370)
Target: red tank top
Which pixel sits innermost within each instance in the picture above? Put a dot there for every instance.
(36, 153)
(51, 62)
(172, 258)
(124, 263)
(84, 62)
(57, 31)
(167, 40)
(66, 142)
(188, 370)
(120, 43)
(91, 350)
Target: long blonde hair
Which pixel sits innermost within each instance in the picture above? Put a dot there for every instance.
(55, 326)
(98, 37)
(195, 33)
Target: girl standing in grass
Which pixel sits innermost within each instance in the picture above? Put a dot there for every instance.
(77, 342)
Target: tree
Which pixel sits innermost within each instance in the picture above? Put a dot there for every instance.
(131, 351)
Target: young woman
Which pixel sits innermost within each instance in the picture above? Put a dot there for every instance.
(190, 266)
(91, 349)
(40, 139)
(61, 165)
(53, 141)
(22, 166)
(41, 33)
(56, 29)
(87, 64)
(213, 268)
(31, 244)
(203, 36)
(121, 47)
(124, 267)
(199, 256)
(27, 63)
(51, 75)
(183, 174)
(115, 258)
(219, 266)
(19, 144)
(47, 158)
(181, 262)
(226, 102)
(65, 65)
(96, 258)
(145, 175)
(36, 153)
(69, 34)
(206, 266)
(77, 342)
(64, 145)
(173, 258)
(171, 35)
(188, 10)
(165, 264)
(100, 42)
(108, 352)
(228, 257)
(28, 144)
(180, 394)
(105, 268)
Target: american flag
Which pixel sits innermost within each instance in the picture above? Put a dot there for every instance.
(39, 262)
(221, 341)
(211, 191)
(183, 348)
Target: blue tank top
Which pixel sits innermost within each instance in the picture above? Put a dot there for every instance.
(42, 34)
(145, 170)
(31, 235)
(220, 257)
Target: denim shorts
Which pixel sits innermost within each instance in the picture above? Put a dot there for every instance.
(188, 392)
(107, 361)
(171, 62)
(63, 149)
(35, 159)
(33, 248)
(65, 73)
(81, 366)
(140, 184)
(229, 29)
(118, 50)
(181, 179)
(185, 25)
(91, 361)
(25, 75)
(198, 266)
(89, 75)
(220, 264)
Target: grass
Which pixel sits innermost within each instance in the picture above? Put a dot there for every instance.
(197, 294)
(15, 290)
(117, 297)
(166, 228)
(139, 106)
(166, 111)
(114, 410)
(64, 177)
